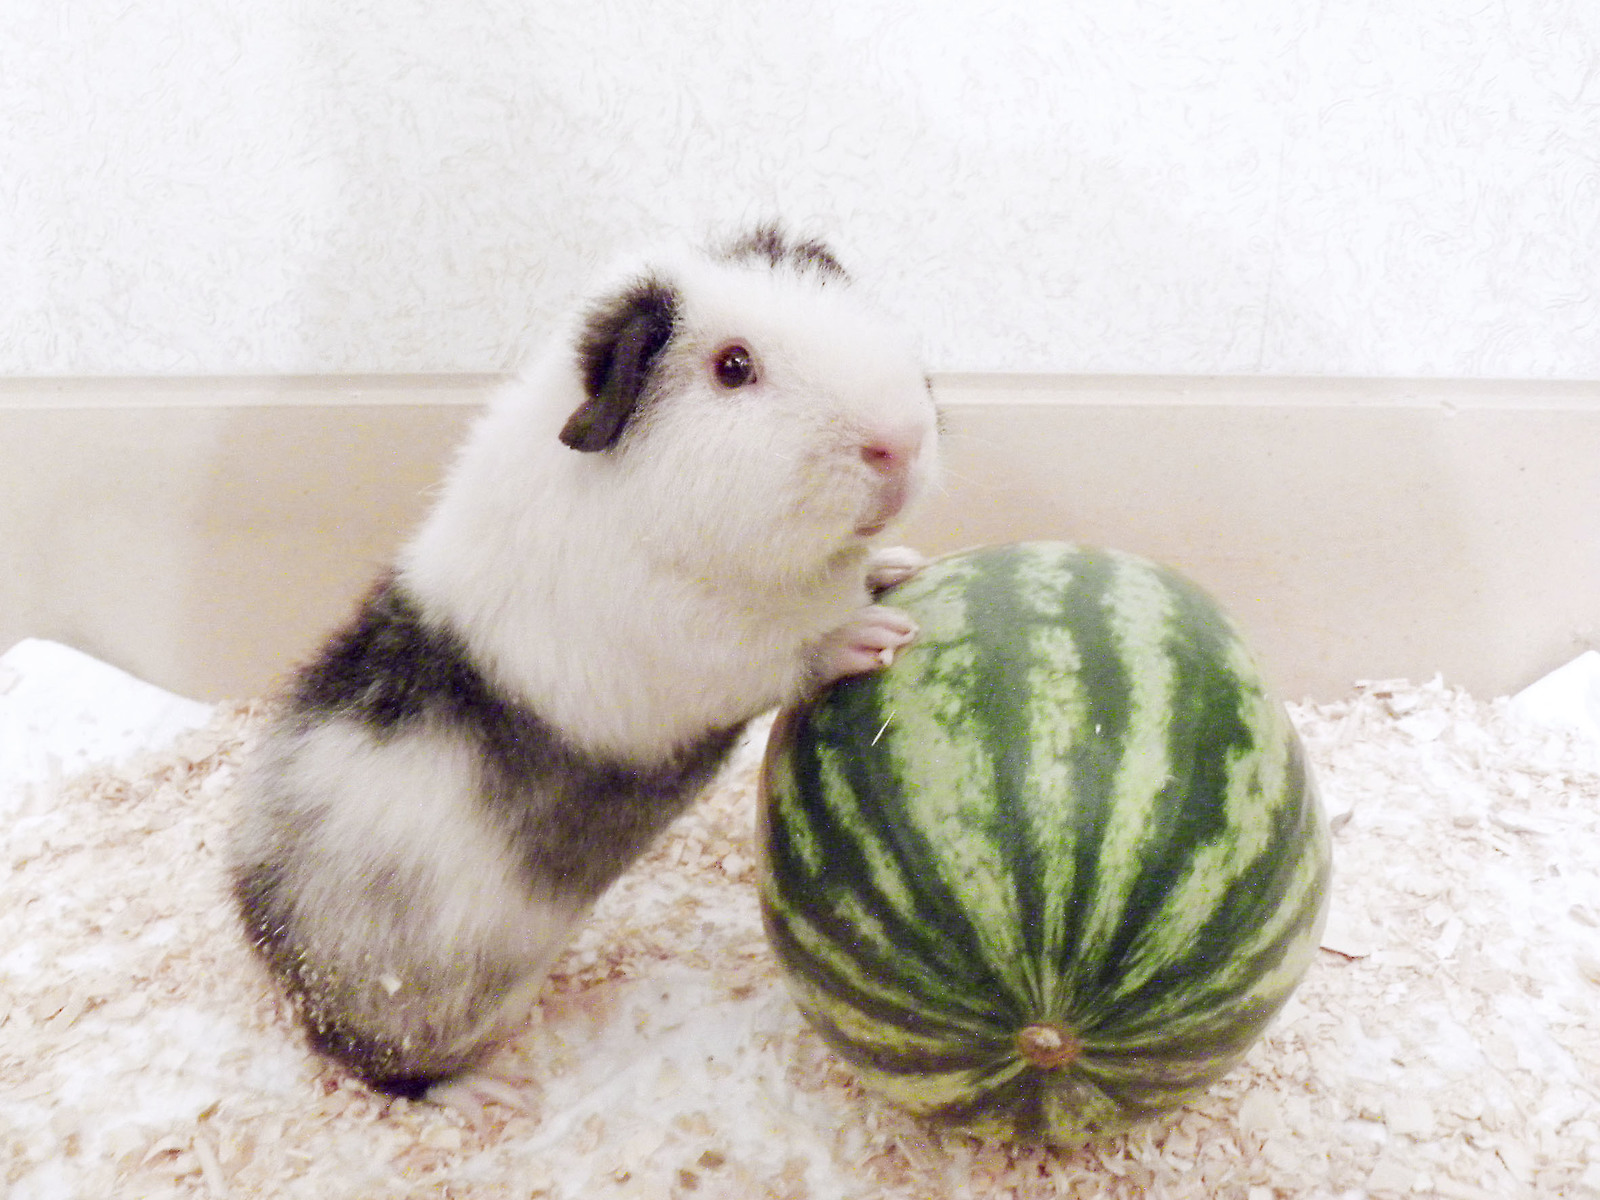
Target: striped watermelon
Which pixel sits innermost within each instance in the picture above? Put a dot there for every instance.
(1052, 872)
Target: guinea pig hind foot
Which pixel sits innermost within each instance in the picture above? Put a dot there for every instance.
(471, 1094)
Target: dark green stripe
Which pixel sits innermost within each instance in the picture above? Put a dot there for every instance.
(1000, 705)
(937, 933)
(1222, 1035)
(1257, 892)
(928, 1019)
(1097, 754)
(1018, 1100)
(1022, 1100)
(971, 1056)
(1219, 1002)
(998, 702)
(1205, 728)
(926, 1009)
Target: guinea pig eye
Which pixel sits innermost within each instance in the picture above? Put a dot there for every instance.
(734, 366)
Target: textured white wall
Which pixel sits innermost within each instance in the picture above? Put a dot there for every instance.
(1190, 186)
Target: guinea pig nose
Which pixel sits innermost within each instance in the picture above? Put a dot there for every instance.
(881, 458)
(891, 454)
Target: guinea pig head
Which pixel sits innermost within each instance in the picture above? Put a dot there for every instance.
(752, 413)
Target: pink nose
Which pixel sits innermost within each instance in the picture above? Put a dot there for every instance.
(892, 454)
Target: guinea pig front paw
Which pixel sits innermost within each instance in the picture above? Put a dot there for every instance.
(889, 566)
(866, 642)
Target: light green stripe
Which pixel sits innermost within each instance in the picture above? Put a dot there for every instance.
(1278, 930)
(787, 813)
(936, 747)
(1059, 716)
(925, 1093)
(1044, 572)
(1141, 612)
(1234, 988)
(1256, 789)
(1076, 1108)
(872, 1035)
(885, 870)
(915, 986)
(831, 958)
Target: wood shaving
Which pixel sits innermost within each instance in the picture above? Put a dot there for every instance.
(1444, 1044)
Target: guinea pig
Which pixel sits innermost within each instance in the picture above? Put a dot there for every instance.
(666, 527)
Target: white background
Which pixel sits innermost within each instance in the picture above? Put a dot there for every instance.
(1174, 186)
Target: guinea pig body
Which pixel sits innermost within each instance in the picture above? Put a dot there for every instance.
(663, 529)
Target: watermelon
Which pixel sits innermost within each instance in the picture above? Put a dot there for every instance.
(1052, 872)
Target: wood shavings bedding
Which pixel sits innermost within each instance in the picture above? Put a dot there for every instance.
(1446, 1044)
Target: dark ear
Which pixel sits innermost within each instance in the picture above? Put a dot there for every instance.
(616, 350)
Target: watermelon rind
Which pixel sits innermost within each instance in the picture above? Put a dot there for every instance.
(1052, 873)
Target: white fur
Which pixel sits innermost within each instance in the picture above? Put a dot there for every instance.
(388, 807)
(714, 562)
(686, 579)
(392, 804)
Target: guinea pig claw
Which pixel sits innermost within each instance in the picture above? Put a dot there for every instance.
(471, 1094)
(866, 642)
(889, 566)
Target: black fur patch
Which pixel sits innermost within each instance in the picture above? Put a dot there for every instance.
(385, 667)
(768, 243)
(576, 819)
(573, 820)
(407, 1087)
(258, 890)
(616, 350)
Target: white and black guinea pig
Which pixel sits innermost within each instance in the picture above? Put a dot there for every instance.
(663, 529)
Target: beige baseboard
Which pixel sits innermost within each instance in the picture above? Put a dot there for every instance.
(204, 533)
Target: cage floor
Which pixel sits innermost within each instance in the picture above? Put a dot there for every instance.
(1444, 1043)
